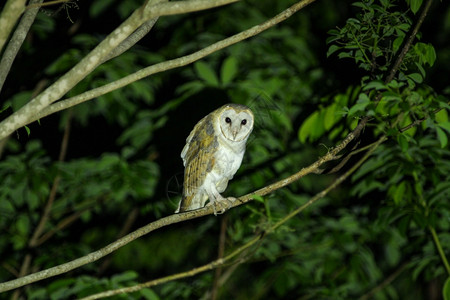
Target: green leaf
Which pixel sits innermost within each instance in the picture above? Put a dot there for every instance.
(149, 294)
(229, 70)
(360, 105)
(39, 293)
(376, 84)
(442, 137)
(430, 55)
(330, 116)
(311, 128)
(415, 5)
(205, 72)
(124, 277)
(258, 198)
(442, 118)
(445, 126)
(446, 290)
(23, 225)
(397, 43)
(399, 193)
(416, 77)
(403, 142)
(28, 130)
(367, 167)
(332, 49)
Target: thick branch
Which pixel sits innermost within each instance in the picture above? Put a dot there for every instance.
(53, 93)
(132, 39)
(182, 7)
(71, 78)
(170, 64)
(161, 8)
(16, 41)
(8, 18)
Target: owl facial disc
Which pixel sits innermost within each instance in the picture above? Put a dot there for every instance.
(236, 125)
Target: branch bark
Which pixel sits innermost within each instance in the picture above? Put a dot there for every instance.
(99, 54)
(8, 18)
(226, 260)
(16, 41)
(172, 219)
(207, 210)
(408, 42)
(170, 64)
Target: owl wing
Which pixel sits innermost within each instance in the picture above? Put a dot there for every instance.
(198, 159)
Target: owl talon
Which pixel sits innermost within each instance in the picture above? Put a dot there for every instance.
(224, 204)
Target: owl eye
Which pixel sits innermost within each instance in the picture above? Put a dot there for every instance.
(243, 122)
(228, 120)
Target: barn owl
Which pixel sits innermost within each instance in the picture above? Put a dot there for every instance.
(213, 153)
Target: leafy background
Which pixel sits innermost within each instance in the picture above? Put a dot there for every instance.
(308, 81)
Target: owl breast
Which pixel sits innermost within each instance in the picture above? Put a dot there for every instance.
(227, 162)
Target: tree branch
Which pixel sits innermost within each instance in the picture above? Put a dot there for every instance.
(170, 64)
(172, 219)
(48, 3)
(441, 251)
(132, 39)
(221, 261)
(220, 254)
(210, 266)
(181, 7)
(71, 78)
(66, 82)
(16, 42)
(8, 18)
(386, 282)
(207, 210)
(408, 42)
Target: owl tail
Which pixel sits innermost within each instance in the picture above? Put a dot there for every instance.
(192, 202)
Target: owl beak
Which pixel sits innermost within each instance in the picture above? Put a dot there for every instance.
(234, 132)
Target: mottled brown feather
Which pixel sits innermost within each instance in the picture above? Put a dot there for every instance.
(198, 160)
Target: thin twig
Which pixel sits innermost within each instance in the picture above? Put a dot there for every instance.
(60, 226)
(51, 198)
(48, 3)
(418, 121)
(131, 218)
(408, 42)
(385, 282)
(441, 252)
(221, 251)
(23, 271)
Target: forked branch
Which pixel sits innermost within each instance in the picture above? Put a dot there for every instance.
(150, 10)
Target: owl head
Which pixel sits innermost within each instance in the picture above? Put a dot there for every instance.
(235, 121)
